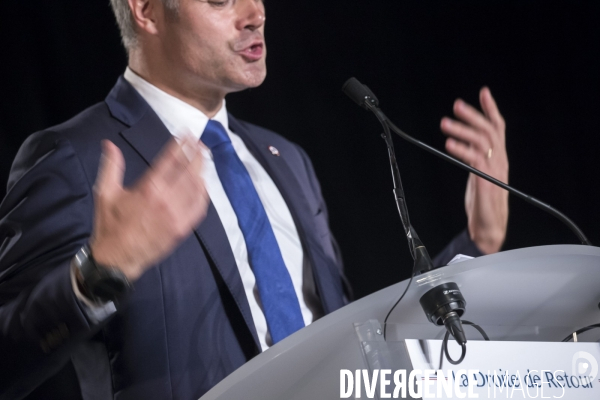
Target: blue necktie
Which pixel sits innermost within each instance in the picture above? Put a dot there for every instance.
(277, 295)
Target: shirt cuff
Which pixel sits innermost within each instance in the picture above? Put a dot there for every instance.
(95, 312)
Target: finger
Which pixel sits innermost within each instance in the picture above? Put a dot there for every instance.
(471, 116)
(197, 201)
(465, 153)
(109, 181)
(172, 162)
(193, 151)
(196, 166)
(189, 189)
(490, 108)
(465, 133)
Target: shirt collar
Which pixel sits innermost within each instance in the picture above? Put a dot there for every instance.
(179, 117)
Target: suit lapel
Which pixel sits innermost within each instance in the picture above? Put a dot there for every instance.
(325, 272)
(214, 240)
(148, 135)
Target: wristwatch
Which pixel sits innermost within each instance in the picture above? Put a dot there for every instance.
(99, 282)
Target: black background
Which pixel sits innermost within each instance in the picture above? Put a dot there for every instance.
(540, 59)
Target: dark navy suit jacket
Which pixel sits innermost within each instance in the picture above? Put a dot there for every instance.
(187, 324)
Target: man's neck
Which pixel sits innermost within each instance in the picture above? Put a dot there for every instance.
(207, 101)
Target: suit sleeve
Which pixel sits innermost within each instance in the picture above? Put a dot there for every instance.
(44, 220)
(461, 244)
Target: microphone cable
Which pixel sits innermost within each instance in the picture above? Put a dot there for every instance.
(463, 346)
(580, 331)
(395, 305)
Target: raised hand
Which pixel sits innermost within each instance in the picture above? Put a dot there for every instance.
(134, 228)
(478, 139)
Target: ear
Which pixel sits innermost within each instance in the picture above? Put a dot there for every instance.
(145, 15)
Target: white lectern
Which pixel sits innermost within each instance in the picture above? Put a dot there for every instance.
(534, 294)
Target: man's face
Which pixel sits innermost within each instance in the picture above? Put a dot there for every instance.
(216, 45)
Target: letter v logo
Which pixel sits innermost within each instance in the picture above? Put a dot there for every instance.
(370, 385)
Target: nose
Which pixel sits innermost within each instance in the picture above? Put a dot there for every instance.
(251, 14)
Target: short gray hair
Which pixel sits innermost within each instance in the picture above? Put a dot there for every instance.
(127, 24)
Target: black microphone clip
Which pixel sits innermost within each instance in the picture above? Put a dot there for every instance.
(360, 94)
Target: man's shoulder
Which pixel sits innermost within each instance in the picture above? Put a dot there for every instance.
(81, 134)
(91, 125)
(88, 126)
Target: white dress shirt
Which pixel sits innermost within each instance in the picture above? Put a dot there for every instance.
(181, 119)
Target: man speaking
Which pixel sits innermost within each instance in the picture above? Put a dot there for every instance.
(157, 243)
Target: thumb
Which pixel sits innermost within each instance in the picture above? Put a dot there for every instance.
(109, 181)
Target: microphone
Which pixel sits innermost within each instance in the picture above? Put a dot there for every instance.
(364, 97)
(359, 93)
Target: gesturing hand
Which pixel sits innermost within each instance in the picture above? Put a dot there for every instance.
(134, 228)
(479, 140)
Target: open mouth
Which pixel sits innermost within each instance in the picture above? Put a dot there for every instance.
(253, 52)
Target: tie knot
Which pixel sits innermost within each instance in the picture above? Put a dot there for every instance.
(214, 134)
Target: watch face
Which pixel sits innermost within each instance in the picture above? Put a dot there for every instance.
(103, 283)
(108, 289)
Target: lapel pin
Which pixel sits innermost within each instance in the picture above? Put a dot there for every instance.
(274, 151)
